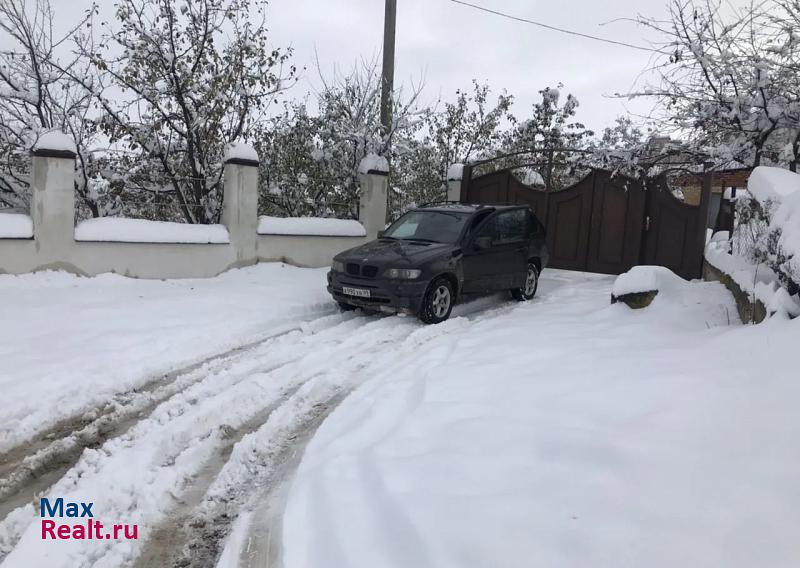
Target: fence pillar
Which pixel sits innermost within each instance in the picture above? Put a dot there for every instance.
(240, 201)
(53, 197)
(372, 205)
(466, 178)
(455, 174)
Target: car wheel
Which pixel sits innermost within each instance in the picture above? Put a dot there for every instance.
(438, 301)
(528, 291)
(345, 307)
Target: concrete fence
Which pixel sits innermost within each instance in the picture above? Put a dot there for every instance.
(54, 246)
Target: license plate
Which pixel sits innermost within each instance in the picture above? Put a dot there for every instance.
(360, 292)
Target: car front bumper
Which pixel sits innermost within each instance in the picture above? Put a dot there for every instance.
(386, 295)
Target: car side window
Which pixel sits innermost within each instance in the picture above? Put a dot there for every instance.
(487, 228)
(512, 226)
(476, 221)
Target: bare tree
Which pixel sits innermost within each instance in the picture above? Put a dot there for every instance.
(193, 75)
(717, 83)
(312, 158)
(37, 94)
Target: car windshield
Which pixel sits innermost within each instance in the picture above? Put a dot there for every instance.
(428, 226)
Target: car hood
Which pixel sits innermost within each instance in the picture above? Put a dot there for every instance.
(383, 252)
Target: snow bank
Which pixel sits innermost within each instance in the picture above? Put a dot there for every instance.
(778, 192)
(56, 140)
(310, 226)
(15, 226)
(240, 151)
(646, 279)
(787, 217)
(68, 344)
(758, 281)
(772, 184)
(644, 286)
(231, 552)
(120, 230)
(455, 172)
(373, 162)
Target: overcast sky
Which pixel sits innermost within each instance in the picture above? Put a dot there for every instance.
(449, 45)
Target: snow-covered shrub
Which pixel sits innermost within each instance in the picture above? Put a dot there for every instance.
(768, 225)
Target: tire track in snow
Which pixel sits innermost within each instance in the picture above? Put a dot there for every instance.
(190, 451)
(273, 453)
(143, 473)
(192, 533)
(11, 457)
(31, 468)
(183, 392)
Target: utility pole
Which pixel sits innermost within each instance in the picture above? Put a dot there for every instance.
(387, 76)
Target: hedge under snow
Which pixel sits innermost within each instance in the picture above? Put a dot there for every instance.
(768, 227)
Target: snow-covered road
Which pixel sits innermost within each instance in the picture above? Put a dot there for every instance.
(182, 453)
(562, 432)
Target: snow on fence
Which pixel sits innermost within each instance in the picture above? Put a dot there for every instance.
(308, 226)
(49, 239)
(118, 230)
(15, 226)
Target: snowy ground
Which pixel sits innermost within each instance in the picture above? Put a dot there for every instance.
(561, 432)
(68, 344)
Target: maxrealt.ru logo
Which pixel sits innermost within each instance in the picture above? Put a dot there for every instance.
(86, 529)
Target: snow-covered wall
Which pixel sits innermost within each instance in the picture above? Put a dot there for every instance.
(48, 238)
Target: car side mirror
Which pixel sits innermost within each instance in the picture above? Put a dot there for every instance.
(482, 243)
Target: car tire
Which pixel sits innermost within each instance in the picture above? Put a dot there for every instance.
(438, 301)
(528, 291)
(345, 307)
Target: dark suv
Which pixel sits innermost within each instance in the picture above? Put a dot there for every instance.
(435, 255)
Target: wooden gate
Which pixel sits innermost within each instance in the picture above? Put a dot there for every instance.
(607, 223)
(676, 232)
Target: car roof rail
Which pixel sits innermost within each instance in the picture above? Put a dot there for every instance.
(443, 202)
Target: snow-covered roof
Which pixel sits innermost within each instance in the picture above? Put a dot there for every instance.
(373, 163)
(122, 230)
(240, 151)
(57, 141)
(310, 226)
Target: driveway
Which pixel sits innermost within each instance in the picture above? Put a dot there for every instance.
(563, 432)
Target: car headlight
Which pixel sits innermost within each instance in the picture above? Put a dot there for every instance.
(402, 273)
(337, 266)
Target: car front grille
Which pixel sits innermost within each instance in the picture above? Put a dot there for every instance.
(365, 271)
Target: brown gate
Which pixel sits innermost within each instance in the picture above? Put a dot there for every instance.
(675, 231)
(607, 223)
(503, 187)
